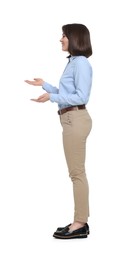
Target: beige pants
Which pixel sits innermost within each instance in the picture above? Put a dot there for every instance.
(76, 127)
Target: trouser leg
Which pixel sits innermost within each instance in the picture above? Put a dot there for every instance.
(76, 127)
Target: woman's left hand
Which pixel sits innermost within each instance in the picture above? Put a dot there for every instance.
(43, 98)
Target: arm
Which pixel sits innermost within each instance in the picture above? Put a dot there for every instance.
(82, 82)
(49, 88)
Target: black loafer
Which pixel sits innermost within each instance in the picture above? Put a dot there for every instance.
(66, 234)
(61, 228)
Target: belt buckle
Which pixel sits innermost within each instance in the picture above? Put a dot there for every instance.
(59, 112)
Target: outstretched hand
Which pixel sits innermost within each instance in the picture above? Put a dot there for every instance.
(35, 82)
(43, 98)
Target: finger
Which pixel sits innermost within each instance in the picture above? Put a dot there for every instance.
(30, 82)
(40, 98)
(36, 79)
(37, 99)
(27, 81)
(34, 99)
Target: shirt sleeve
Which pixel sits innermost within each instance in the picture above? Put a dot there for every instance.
(82, 81)
(49, 88)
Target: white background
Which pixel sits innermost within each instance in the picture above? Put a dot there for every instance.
(35, 190)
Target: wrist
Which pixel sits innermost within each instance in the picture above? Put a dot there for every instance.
(42, 83)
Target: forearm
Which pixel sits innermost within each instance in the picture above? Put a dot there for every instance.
(71, 99)
(49, 88)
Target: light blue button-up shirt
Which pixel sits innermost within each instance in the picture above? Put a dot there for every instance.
(74, 85)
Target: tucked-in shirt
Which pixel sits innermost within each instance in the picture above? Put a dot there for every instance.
(74, 85)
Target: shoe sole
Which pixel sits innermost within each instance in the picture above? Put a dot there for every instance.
(70, 237)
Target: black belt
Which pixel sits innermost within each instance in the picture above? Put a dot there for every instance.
(64, 110)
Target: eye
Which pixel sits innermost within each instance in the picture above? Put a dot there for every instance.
(63, 35)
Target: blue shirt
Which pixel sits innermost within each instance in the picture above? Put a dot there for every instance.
(74, 85)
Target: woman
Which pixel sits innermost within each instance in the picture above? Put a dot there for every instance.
(72, 96)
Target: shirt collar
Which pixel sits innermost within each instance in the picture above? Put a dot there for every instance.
(70, 57)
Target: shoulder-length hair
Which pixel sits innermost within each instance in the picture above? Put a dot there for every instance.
(79, 39)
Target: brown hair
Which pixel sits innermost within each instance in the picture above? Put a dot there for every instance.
(79, 39)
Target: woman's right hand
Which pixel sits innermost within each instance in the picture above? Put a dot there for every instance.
(35, 82)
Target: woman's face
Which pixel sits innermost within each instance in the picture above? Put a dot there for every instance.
(65, 42)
